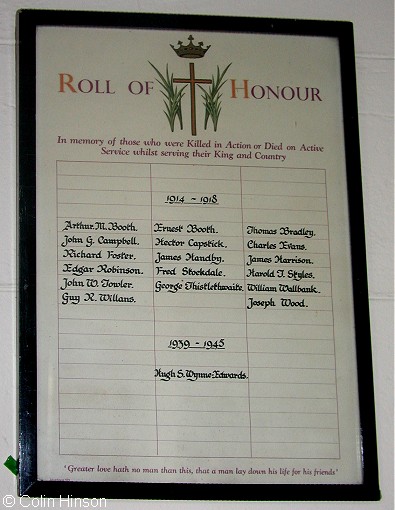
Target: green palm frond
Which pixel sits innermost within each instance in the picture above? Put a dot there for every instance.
(212, 97)
(172, 95)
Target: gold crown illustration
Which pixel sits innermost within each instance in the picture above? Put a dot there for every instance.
(190, 50)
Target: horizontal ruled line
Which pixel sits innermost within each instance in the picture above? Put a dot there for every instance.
(178, 382)
(197, 179)
(185, 220)
(182, 307)
(194, 426)
(245, 397)
(199, 165)
(189, 410)
(200, 457)
(108, 439)
(113, 335)
(192, 441)
(187, 322)
(228, 351)
(195, 367)
(194, 204)
(150, 277)
(107, 409)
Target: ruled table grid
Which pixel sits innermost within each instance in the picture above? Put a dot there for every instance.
(195, 312)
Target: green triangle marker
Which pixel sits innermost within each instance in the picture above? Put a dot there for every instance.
(12, 465)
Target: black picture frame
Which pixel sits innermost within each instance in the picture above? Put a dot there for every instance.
(29, 484)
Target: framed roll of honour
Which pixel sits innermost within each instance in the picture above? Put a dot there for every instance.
(193, 306)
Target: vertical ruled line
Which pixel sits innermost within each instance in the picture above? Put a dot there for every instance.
(333, 318)
(57, 293)
(153, 309)
(245, 306)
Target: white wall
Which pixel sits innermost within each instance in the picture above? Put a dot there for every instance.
(373, 25)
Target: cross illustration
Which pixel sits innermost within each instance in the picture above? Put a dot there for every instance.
(192, 81)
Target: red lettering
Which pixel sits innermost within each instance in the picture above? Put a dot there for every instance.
(63, 77)
(244, 88)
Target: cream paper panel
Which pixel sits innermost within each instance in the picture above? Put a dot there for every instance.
(118, 57)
